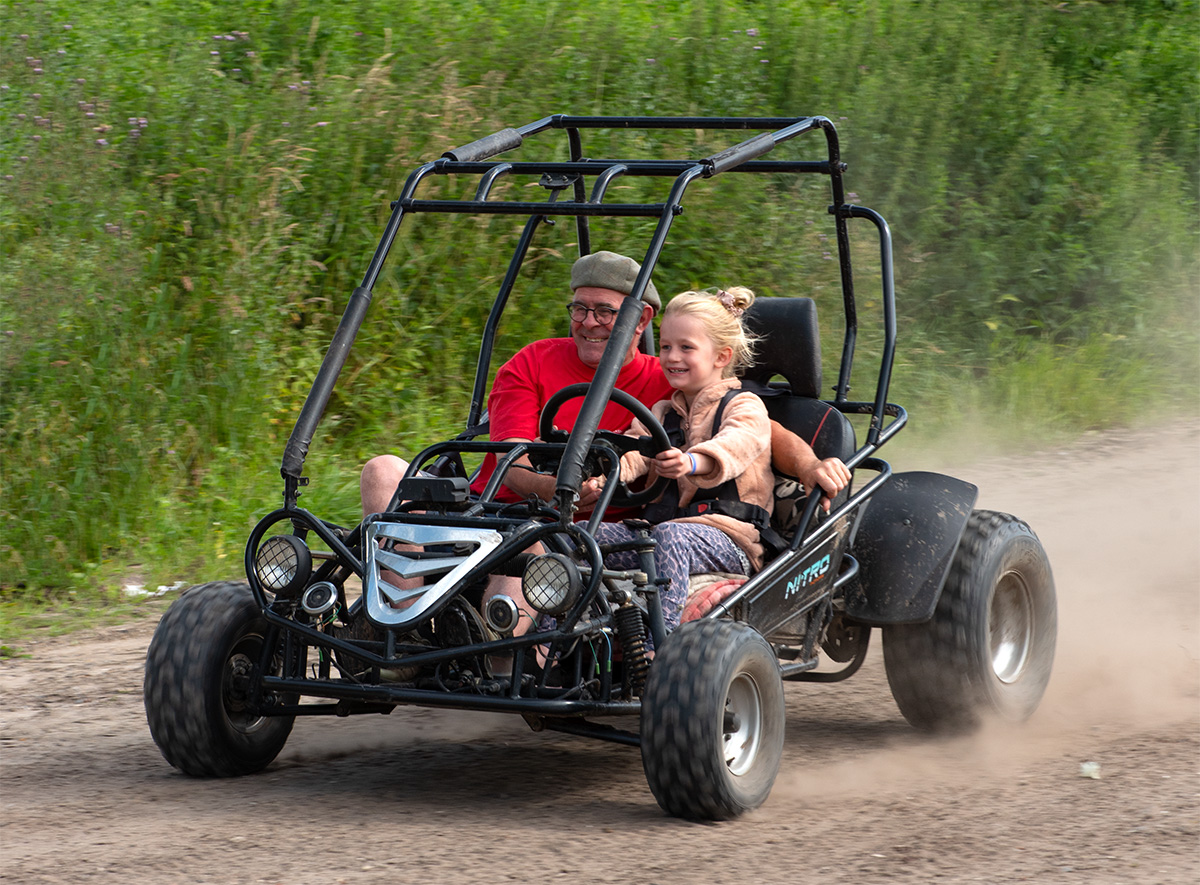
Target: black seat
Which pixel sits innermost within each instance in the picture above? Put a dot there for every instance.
(790, 347)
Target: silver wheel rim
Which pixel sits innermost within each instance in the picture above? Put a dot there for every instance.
(743, 703)
(1011, 627)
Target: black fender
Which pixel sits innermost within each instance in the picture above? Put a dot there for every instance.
(904, 543)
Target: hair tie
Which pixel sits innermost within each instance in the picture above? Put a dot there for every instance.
(727, 302)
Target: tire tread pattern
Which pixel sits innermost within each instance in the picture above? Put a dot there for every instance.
(183, 683)
(682, 716)
(938, 670)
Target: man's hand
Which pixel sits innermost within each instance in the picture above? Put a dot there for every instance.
(589, 492)
(831, 475)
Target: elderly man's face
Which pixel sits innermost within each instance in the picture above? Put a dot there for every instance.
(591, 336)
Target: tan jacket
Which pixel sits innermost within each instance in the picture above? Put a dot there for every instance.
(741, 450)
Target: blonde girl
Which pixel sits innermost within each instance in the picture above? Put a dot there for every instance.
(709, 518)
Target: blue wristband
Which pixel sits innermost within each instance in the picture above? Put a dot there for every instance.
(695, 466)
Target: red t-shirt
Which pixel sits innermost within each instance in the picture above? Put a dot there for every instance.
(538, 371)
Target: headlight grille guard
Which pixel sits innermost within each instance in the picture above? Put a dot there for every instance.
(381, 596)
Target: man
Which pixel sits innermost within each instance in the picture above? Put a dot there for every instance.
(600, 282)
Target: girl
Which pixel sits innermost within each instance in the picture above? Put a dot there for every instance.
(708, 519)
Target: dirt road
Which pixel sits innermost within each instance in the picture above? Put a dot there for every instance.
(436, 797)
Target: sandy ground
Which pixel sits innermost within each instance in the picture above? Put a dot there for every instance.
(438, 797)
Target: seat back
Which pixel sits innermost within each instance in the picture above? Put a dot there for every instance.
(789, 346)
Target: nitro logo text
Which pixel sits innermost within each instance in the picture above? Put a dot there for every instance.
(807, 577)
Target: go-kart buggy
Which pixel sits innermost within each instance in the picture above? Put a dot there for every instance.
(964, 599)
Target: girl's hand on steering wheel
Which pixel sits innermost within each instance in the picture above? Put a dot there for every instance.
(673, 463)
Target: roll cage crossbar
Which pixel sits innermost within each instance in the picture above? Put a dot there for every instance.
(570, 178)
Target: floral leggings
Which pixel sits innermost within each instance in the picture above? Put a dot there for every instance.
(684, 549)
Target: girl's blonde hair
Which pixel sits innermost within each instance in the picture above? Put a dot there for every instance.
(720, 311)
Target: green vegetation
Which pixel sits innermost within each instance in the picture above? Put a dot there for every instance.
(190, 191)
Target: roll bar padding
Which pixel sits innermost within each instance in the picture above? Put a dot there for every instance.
(488, 146)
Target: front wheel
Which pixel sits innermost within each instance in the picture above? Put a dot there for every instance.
(989, 647)
(712, 721)
(200, 672)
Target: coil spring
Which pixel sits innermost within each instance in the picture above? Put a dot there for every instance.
(631, 630)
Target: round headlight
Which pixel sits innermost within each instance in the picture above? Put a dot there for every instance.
(283, 565)
(552, 583)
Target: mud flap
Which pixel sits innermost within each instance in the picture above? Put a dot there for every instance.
(904, 543)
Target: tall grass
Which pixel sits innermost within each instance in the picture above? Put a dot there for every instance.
(190, 191)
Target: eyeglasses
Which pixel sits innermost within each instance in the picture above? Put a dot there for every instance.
(603, 314)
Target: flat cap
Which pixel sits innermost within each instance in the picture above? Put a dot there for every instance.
(608, 270)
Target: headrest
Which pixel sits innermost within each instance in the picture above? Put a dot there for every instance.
(789, 343)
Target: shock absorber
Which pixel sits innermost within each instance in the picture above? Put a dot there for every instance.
(631, 630)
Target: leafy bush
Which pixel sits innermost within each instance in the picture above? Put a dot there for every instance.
(192, 190)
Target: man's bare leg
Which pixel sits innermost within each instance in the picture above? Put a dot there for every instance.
(378, 482)
(376, 485)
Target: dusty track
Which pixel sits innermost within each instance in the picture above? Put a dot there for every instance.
(422, 796)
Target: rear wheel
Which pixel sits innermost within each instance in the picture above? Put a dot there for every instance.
(200, 671)
(712, 721)
(989, 647)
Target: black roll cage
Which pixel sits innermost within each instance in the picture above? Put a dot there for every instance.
(475, 159)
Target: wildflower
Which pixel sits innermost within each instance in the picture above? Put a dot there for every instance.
(80, 80)
(763, 61)
(751, 32)
(20, 116)
(322, 122)
(757, 47)
(214, 52)
(24, 36)
(8, 178)
(649, 61)
(66, 27)
(103, 142)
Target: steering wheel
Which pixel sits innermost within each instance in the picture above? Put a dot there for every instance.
(659, 441)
